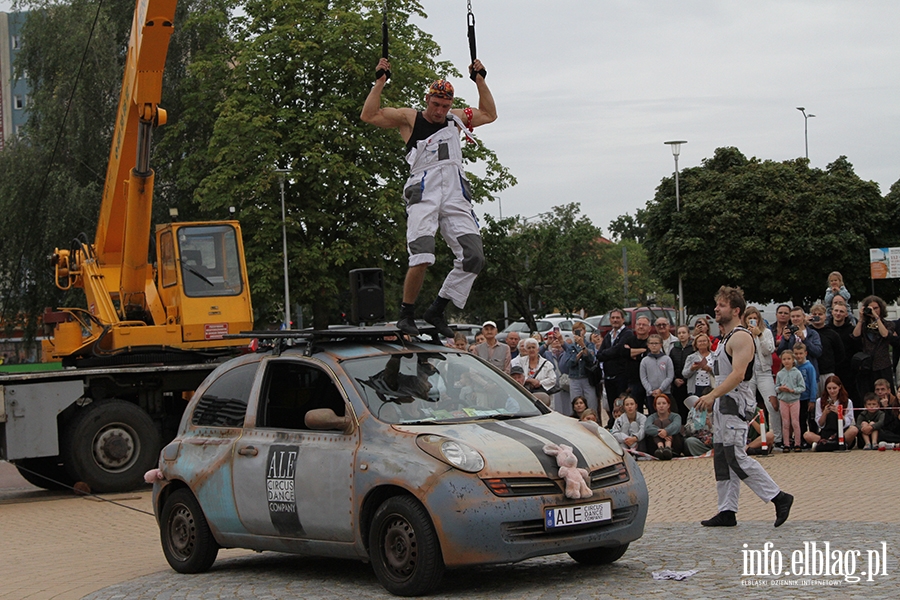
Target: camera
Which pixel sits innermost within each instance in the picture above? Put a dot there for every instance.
(791, 328)
(815, 318)
(751, 322)
(868, 311)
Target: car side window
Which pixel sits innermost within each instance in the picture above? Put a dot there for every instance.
(224, 403)
(291, 389)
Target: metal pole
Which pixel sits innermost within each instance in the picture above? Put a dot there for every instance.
(287, 291)
(678, 210)
(625, 273)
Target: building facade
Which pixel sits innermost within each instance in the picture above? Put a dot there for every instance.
(14, 93)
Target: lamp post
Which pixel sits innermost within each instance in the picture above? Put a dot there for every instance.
(282, 173)
(676, 150)
(806, 118)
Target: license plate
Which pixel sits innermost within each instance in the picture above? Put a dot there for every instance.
(566, 516)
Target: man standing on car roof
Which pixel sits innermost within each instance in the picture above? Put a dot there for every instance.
(437, 193)
(734, 406)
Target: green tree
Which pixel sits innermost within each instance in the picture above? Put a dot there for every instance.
(300, 75)
(557, 263)
(774, 228)
(627, 227)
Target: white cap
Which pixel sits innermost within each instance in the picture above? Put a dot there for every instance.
(489, 324)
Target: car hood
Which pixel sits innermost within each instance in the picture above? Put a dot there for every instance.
(515, 447)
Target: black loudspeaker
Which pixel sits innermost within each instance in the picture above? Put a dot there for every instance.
(367, 296)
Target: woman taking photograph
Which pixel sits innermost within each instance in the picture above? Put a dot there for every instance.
(763, 380)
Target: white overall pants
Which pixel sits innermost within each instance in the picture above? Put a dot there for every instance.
(437, 196)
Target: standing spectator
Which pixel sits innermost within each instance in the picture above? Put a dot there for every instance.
(875, 336)
(782, 320)
(637, 349)
(842, 325)
(579, 366)
(615, 355)
(832, 346)
(810, 380)
(681, 349)
(798, 333)
(560, 354)
(491, 350)
(540, 375)
(595, 375)
(657, 372)
(512, 340)
(763, 381)
(664, 331)
(789, 385)
(835, 288)
(698, 368)
(701, 326)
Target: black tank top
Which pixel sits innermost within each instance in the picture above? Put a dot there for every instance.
(422, 129)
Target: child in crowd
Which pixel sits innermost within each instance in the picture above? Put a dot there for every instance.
(579, 405)
(589, 414)
(870, 422)
(662, 431)
(811, 381)
(835, 288)
(789, 385)
(629, 426)
(657, 370)
(890, 432)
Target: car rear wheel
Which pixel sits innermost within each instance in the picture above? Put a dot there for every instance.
(187, 541)
(599, 556)
(404, 548)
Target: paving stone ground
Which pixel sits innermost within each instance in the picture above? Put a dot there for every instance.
(62, 547)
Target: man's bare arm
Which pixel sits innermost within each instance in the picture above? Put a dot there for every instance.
(487, 110)
(386, 118)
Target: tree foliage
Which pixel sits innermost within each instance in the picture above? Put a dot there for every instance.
(774, 228)
(557, 263)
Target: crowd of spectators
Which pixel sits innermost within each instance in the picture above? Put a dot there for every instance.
(823, 377)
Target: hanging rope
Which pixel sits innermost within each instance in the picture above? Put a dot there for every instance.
(472, 51)
(384, 42)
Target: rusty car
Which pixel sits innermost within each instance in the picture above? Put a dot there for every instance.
(412, 456)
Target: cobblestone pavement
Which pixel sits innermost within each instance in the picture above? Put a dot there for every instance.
(57, 546)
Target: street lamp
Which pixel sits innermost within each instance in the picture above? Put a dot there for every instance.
(806, 118)
(676, 150)
(500, 205)
(282, 173)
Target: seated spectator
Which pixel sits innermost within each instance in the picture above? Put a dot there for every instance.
(662, 431)
(870, 422)
(619, 407)
(697, 430)
(827, 418)
(754, 440)
(628, 428)
(890, 432)
(589, 414)
(578, 407)
(698, 367)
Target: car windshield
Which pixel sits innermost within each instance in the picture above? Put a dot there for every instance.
(436, 387)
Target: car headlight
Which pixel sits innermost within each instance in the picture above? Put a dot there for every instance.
(604, 434)
(454, 453)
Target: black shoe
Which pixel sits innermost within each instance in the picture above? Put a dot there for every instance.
(782, 504)
(755, 451)
(433, 317)
(408, 326)
(725, 518)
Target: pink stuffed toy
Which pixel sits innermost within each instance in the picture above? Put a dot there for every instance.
(577, 480)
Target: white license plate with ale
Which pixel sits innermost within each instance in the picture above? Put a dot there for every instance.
(567, 516)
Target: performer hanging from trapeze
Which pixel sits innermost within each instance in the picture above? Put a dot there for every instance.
(437, 192)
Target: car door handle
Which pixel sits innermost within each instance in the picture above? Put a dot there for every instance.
(248, 451)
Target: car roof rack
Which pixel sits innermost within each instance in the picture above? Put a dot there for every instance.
(282, 339)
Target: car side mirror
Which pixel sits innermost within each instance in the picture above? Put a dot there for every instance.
(326, 419)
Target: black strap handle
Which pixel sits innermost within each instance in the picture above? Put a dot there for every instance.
(384, 43)
(473, 53)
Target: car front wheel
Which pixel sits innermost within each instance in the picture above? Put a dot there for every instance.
(599, 556)
(404, 548)
(187, 541)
